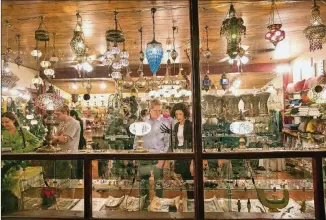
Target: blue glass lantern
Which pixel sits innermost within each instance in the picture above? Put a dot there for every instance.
(206, 83)
(154, 50)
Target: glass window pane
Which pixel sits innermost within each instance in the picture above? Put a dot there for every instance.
(143, 188)
(279, 188)
(42, 188)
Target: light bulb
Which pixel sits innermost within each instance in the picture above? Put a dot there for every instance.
(230, 61)
(36, 53)
(244, 59)
(234, 36)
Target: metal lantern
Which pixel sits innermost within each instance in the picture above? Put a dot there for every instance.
(115, 35)
(206, 83)
(77, 43)
(232, 28)
(42, 34)
(224, 81)
(275, 34)
(316, 31)
(154, 50)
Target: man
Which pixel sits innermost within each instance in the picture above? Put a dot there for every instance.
(68, 133)
(156, 141)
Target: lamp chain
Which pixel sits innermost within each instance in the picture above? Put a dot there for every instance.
(153, 13)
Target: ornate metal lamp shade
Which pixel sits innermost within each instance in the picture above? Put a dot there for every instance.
(224, 81)
(77, 43)
(42, 34)
(115, 35)
(316, 31)
(206, 83)
(154, 50)
(232, 28)
(317, 94)
(49, 100)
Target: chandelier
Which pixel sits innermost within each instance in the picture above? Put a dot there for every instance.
(77, 43)
(154, 50)
(232, 28)
(275, 34)
(170, 86)
(316, 31)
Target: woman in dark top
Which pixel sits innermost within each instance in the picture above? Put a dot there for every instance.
(183, 134)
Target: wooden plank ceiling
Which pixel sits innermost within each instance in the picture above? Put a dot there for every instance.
(98, 17)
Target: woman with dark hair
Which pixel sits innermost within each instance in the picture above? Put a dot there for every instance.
(182, 129)
(15, 137)
(82, 140)
(183, 135)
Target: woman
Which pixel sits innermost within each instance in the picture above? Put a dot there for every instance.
(82, 141)
(183, 132)
(182, 129)
(15, 137)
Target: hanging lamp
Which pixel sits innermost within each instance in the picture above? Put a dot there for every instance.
(154, 50)
(18, 60)
(54, 59)
(232, 28)
(42, 34)
(77, 43)
(115, 35)
(275, 34)
(174, 53)
(206, 83)
(316, 31)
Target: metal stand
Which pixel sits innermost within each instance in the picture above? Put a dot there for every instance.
(140, 148)
(49, 124)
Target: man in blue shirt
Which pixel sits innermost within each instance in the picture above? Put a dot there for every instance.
(156, 141)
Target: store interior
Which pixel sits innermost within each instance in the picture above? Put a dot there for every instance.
(263, 88)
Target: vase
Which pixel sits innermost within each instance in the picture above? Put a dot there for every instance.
(218, 105)
(255, 105)
(247, 100)
(235, 106)
(263, 98)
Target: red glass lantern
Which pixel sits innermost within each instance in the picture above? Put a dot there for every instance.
(275, 34)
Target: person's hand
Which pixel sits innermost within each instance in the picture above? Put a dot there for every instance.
(165, 129)
(160, 164)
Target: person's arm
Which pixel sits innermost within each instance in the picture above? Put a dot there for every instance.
(32, 142)
(67, 135)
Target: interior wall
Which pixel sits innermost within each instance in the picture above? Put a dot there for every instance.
(303, 66)
(25, 78)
